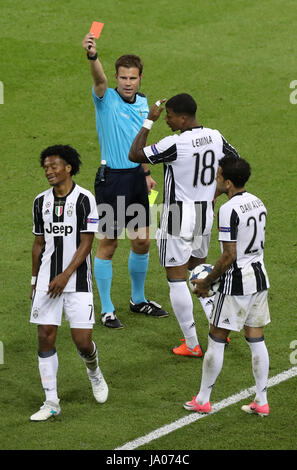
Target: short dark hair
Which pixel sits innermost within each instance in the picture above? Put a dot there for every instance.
(182, 104)
(128, 61)
(235, 169)
(67, 153)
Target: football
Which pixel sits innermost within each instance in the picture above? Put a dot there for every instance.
(200, 272)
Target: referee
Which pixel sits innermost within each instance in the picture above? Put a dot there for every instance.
(120, 113)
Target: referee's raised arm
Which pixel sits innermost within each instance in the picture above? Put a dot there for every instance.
(99, 77)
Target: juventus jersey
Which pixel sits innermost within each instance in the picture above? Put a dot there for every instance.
(61, 220)
(190, 167)
(242, 219)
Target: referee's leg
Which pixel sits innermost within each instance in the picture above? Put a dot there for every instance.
(138, 263)
(103, 273)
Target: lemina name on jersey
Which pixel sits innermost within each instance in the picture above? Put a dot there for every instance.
(242, 219)
(61, 221)
(190, 165)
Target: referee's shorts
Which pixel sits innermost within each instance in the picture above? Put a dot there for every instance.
(122, 201)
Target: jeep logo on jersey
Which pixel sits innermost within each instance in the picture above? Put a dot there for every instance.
(58, 229)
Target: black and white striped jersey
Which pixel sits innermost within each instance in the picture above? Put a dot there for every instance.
(242, 219)
(61, 220)
(190, 167)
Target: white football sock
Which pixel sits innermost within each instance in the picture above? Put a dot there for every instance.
(260, 365)
(48, 368)
(182, 304)
(212, 366)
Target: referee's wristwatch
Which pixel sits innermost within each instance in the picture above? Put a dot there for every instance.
(147, 173)
(94, 57)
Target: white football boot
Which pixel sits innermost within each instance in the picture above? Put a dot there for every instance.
(100, 387)
(48, 410)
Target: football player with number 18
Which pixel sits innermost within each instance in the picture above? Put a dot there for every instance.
(190, 161)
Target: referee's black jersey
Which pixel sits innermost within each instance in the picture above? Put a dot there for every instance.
(61, 220)
(243, 219)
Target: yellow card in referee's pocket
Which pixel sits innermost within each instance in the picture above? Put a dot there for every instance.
(153, 197)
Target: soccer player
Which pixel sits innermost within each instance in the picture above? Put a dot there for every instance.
(64, 221)
(241, 301)
(190, 165)
(120, 113)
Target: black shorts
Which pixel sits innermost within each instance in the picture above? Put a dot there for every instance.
(122, 201)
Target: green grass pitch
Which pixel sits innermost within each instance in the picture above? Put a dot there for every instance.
(237, 58)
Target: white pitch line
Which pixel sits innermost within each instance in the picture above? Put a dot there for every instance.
(180, 423)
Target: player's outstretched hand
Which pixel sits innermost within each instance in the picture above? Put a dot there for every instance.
(156, 110)
(89, 44)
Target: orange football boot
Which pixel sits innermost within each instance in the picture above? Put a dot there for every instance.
(183, 350)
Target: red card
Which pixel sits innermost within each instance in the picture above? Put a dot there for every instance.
(96, 29)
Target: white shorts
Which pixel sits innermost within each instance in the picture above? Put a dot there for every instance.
(176, 251)
(233, 312)
(78, 308)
